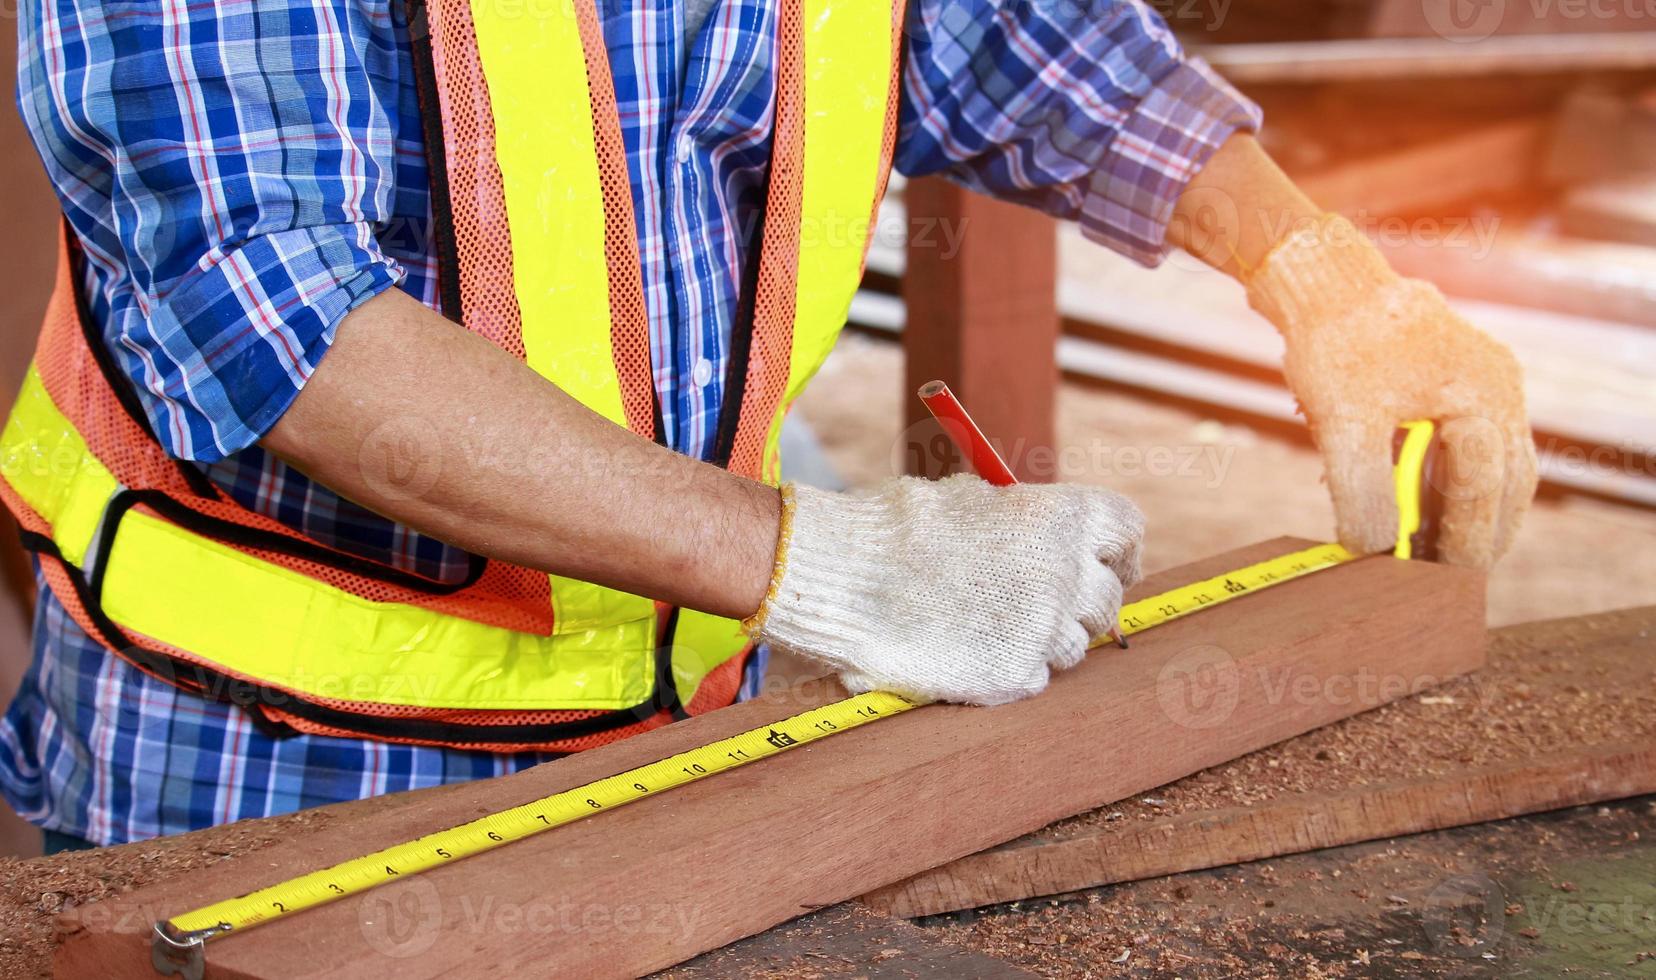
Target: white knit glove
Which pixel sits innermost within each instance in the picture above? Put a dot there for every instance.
(950, 590)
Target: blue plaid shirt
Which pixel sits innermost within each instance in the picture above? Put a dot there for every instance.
(244, 174)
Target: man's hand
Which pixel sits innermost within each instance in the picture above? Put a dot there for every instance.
(950, 590)
(1368, 350)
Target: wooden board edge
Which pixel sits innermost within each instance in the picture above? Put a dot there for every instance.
(1208, 839)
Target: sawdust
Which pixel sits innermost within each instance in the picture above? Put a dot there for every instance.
(34, 891)
(1456, 903)
(1544, 691)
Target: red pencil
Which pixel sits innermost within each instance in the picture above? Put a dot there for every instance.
(968, 438)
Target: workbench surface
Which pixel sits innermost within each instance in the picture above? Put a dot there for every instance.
(1570, 890)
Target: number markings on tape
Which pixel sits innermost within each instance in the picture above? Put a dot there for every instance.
(538, 816)
(1186, 599)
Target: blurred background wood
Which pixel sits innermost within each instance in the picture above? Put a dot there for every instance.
(27, 262)
(981, 294)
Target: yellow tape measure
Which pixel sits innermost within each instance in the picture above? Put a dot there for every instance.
(504, 827)
(178, 943)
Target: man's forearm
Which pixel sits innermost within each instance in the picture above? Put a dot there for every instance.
(425, 423)
(1237, 208)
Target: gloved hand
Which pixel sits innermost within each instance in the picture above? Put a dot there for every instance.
(951, 590)
(1367, 350)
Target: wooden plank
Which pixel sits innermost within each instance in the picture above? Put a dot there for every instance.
(1593, 661)
(671, 876)
(1210, 839)
(981, 294)
(1597, 280)
(1622, 210)
(1495, 159)
(1556, 719)
(1381, 59)
(1602, 134)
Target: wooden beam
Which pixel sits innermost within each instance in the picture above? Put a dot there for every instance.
(1461, 758)
(1621, 210)
(1496, 159)
(1599, 280)
(659, 881)
(1303, 822)
(1383, 59)
(982, 314)
(1602, 134)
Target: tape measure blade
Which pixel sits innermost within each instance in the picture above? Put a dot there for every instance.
(1183, 601)
(567, 806)
(554, 810)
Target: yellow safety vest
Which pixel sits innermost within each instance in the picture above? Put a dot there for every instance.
(537, 252)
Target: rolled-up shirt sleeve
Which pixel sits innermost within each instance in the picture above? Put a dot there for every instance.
(225, 167)
(229, 347)
(1087, 110)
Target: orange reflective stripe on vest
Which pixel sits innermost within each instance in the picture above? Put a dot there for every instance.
(521, 124)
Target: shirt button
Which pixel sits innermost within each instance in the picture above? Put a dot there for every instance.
(703, 372)
(684, 149)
